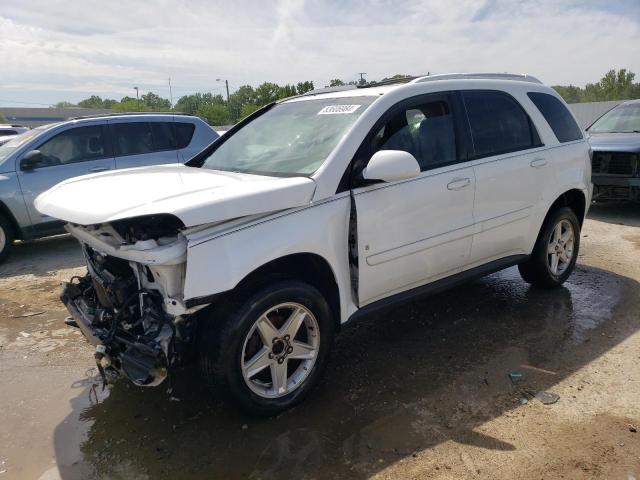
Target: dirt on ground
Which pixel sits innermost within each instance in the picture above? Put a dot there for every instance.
(440, 388)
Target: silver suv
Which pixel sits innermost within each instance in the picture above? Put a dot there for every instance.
(40, 158)
(9, 132)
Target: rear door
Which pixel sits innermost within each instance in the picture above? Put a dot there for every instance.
(139, 142)
(510, 164)
(415, 231)
(74, 151)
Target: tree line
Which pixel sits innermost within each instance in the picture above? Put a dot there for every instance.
(216, 110)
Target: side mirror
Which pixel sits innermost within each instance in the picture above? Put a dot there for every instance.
(31, 160)
(391, 166)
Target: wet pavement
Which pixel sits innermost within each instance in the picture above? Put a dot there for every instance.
(418, 391)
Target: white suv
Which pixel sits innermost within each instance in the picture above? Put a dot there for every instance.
(313, 211)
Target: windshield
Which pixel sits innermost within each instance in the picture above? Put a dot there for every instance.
(292, 138)
(9, 147)
(622, 119)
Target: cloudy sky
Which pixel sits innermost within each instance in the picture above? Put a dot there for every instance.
(53, 50)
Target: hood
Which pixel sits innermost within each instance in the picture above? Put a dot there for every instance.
(616, 142)
(196, 196)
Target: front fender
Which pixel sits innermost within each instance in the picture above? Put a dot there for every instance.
(219, 263)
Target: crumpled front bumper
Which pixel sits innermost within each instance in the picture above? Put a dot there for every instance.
(70, 296)
(117, 351)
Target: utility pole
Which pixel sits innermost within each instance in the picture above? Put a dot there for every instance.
(362, 80)
(170, 95)
(226, 84)
(137, 97)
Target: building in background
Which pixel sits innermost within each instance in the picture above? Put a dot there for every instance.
(587, 113)
(34, 117)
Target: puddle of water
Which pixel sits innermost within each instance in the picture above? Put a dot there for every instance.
(400, 382)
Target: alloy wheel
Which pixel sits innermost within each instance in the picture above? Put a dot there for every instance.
(560, 247)
(280, 350)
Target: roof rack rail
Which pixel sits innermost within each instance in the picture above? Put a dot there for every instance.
(486, 76)
(119, 114)
(318, 91)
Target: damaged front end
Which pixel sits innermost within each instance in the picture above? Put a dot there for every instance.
(129, 305)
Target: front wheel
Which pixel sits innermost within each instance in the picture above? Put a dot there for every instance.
(6, 237)
(556, 250)
(269, 351)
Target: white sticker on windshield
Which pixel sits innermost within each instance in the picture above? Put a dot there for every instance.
(338, 109)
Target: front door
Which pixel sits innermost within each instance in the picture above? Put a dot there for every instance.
(73, 152)
(415, 231)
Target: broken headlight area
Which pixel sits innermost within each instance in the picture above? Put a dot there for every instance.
(125, 320)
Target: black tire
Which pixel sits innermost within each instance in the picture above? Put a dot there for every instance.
(537, 270)
(6, 237)
(225, 330)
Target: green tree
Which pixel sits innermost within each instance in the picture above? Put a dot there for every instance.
(93, 101)
(129, 104)
(571, 94)
(155, 102)
(191, 104)
(286, 91)
(614, 85)
(248, 109)
(3, 119)
(109, 103)
(237, 100)
(304, 87)
(214, 113)
(336, 82)
(267, 92)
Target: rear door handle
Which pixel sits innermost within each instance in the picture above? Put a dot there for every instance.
(98, 169)
(458, 183)
(538, 162)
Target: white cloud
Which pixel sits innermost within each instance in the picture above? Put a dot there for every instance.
(55, 50)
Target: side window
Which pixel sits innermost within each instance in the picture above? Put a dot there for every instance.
(557, 116)
(163, 136)
(498, 124)
(75, 145)
(184, 133)
(133, 138)
(426, 130)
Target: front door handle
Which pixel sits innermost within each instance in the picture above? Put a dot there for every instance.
(538, 162)
(98, 169)
(458, 183)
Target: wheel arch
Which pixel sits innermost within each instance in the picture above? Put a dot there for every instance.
(575, 199)
(5, 212)
(308, 267)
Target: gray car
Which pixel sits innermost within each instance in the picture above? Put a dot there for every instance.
(40, 158)
(615, 141)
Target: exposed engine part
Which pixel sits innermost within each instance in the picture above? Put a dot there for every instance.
(150, 227)
(127, 322)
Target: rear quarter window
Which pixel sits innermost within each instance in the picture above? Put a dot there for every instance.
(557, 116)
(184, 133)
(498, 123)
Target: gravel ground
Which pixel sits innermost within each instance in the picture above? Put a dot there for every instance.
(421, 391)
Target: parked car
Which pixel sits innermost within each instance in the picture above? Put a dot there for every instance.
(615, 140)
(47, 155)
(314, 211)
(9, 132)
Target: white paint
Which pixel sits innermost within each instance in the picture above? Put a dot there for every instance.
(413, 229)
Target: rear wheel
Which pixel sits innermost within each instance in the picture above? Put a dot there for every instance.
(6, 237)
(268, 352)
(556, 251)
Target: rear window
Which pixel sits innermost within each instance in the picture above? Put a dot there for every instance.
(184, 133)
(138, 138)
(498, 124)
(557, 116)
